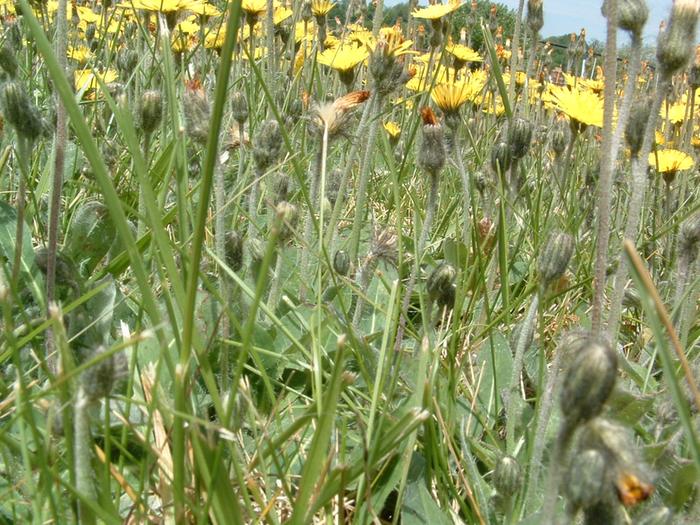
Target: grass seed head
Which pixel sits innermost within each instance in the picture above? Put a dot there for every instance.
(589, 380)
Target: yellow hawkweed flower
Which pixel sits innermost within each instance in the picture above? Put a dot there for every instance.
(344, 57)
(280, 14)
(449, 97)
(86, 79)
(668, 162)
(676, 112)
(166, 6)
(254, 8)
(436, 11)
(392, 128)
(321, 7)
(582, 106)
(463, 53)
(78, 53)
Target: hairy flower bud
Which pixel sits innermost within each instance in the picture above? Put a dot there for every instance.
(675, 44)
(233, 249)
(632, 15)
(151, 110)
(500, 158)
(288, 214)
(99, 380)
(507, 476)
(636, 126)
(561, 135)
(589, 479)
(689, 238)
(519, 137)
(432, 152)
(20, 111)
(588, 381)
(440, 283)
(555, 257)
(8, 60)
(197, 113)
(535, 16)
(341, 263)
(239, 107)
(127, 60)
(268, 145)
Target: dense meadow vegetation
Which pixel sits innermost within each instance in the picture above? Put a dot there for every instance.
(278, 262)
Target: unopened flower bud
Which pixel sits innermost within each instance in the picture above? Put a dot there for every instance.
(561, 135)
(432, 153)
(440, 281)
(233, 248)
(507, 476)
(99, 380)
(8, 60)
(20, 111)
(589, 380)
(197, 113)
(519, 137)
(694, 73)
(636, 126)
(341, 262)
(127, 59)
(675, 44)
(239, 107)
(500, 158)
(555, 257)
(535, 16)
(288, 214)
(151, 110)
(689, 238)
(589, 479)
(632, 15)
(268, 145)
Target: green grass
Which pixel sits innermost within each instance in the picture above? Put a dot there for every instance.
(223, 401)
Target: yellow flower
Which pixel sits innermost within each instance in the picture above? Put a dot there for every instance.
(344, 57)
(449, 97)
(676, 112)
(254, 8)
(392, 128)
(86, 79)
(321, 7)
(582, 106)
(79, 53)
(280, 14)
(166, 6)
(188, 26)
(421, 81)
(670, 161)
(436, 11)
(463, 53)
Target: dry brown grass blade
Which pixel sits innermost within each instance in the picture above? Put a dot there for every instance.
(665, 319)
(123, 483)
(162, 445)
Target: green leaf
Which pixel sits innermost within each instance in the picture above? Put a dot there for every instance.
(29, 273)
(419, 507)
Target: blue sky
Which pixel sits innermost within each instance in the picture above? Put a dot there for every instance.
(569, 16)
